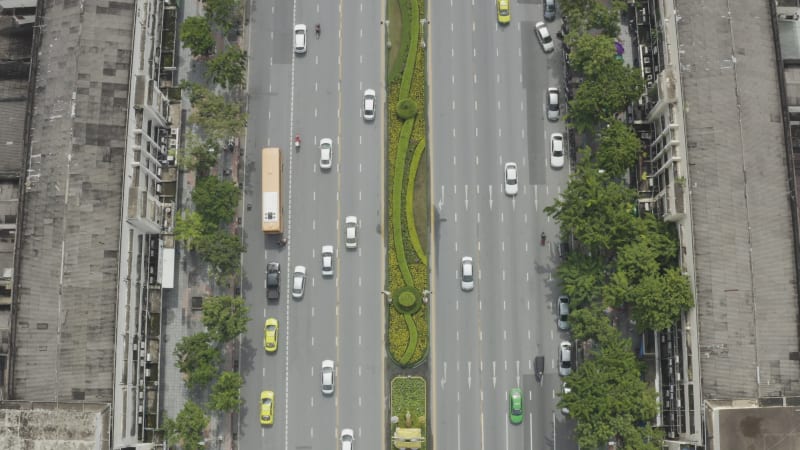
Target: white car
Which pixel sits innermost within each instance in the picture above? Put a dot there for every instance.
(327, 377)
(327, 260)
(564, 391)
(369, 104)
(351, 232)
(544, 37)
(298, 281)
(557, 150)
(563, 312)
(325, 153)
(511, 178)
(347, 439)
(564, 358)
(299, 38)
(553, 104)
(467, 278)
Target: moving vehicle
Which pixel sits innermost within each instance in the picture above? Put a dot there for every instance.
(553, 104)
(510, 171)
(300, 38)
(369, 104)
(325, 153)
(273, 281)
(544, 37)
(267, 407)
(327, 260)
(538, 364)
(271, 200)
(557, 150)
(563, 312)
(515, 407)
(271, 335)
(467, 279)
(298, 281)
(347, 439)
(564, 358)
(351, 232)
(503, 12)
(327, 377)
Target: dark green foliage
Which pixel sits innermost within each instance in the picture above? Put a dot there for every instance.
(225, 317)
(196, 36)
(187, 428)
(406, 108)
(197, 359)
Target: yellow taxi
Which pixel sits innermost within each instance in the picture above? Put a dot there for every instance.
(267, 407)
(271, 334)
(503, 12)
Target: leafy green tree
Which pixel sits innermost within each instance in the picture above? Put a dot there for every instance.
(190, 229)
(198, 155)
(197, 359)
(590, 53)
(216, 199)
(223, 251)
(619, 148)
(223, 13)
(582, 278)
(658, 300)
(227, 69)
(219, 118)
(618, 290)
(591, 323)
(196, 36)
(225, 395)
(187, 428)
(600, 99)
(225, 317)
(585, 15)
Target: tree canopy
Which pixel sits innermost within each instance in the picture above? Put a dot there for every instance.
(219, 118)
(619, 148)
(604, 96)
(223, 251)
(196, 36)
(223, 13)
(582, 278)
(225, 317)
(187, 428)
(198, 154)
(659, 299)
(197, 359)
(190, 229)
(585, 15)
(216, 199)
(589, 54)
(228, 69)
(225, 395)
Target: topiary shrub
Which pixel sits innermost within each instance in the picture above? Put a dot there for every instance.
(407, 299)
(406, 108)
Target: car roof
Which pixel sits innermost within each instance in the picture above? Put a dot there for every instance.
(369, 92)
(300, 269)
(352, 219)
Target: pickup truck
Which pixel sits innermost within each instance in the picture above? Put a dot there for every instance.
(273, 281)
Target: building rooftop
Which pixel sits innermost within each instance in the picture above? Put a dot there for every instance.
(46, 426)
(747, 299)
(70, 234)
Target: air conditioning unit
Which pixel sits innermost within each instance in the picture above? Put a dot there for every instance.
(149, 358)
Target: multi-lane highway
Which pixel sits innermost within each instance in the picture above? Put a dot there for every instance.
(316, 95)
(488, 86)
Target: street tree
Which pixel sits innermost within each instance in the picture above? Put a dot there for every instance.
(219, 118)
(187, 428)
(582, 277)
(590, 323)
(585, 15)
(600, 98)
(225, 395)
(658, 300)
(216, 199)
(190, 229)
(196, 358)
(196, 36)
(198, 155)
(619, 148)
(589, 54)
(607, 397)
(227, 69)
(225, 14)
(222, 251)
(225, 317)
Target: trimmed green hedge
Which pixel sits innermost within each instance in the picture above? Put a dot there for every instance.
(397, 201)
(406, 109)
(407, 300)
(408, 397)
(410, 222)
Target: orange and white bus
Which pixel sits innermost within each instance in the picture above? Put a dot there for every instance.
(271, 199)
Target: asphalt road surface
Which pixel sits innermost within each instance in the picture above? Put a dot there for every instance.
(488, 84)
(316, 95)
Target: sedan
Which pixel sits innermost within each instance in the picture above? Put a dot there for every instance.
(503, 12)
(511, 178)
(557, 150)
(299, 281)
(347, 439)
(327, 260)
(564, 358)
(553, 104)
(325, 153)
(563, 312)
(564, 391)
(544, 37)
(327, 377)
(369, 104)
(267, 407)
(351, 232)
(515, 408)
(467, 280)
(271, 335)
(299, 38)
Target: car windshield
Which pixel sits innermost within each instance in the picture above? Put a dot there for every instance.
(512, 176)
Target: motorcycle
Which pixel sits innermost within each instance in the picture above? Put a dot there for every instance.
(539, 365)
(297, 142)
(543, 239)
(317, 30)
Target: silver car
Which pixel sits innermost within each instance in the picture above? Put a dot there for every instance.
(327, 260)
(564, 358)
(327, 377)
(325, 153)
(467, 278)
(299, 38)
(563, 312)
(347, 439)
(553, 104)
(511, 182)
(557, 150)
(544, 37)
(298, 281)
(351, 232)
(369, 104)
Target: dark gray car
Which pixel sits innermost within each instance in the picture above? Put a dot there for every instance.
(549, 10)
